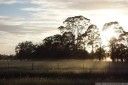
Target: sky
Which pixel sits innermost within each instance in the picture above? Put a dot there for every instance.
(33, 20)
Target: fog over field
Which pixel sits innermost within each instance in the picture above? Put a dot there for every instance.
(65, 66)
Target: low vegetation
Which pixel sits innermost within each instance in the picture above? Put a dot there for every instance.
(60, 78)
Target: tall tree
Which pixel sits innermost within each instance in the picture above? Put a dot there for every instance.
(77, 25)
(68, 40)
(93, 38)
(112, 31)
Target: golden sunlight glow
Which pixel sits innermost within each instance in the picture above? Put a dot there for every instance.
(107, 35)
(108, 59)
(111, 14)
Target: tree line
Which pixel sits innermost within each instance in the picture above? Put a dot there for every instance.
(75, 38)
(79, 39)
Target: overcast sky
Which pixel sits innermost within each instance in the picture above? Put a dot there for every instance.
(32, 20)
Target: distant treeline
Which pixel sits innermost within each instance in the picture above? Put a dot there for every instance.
(52, 50)
(7, 57)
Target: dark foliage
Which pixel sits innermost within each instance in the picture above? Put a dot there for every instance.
(59, 47)
(76, 37)
(53, 47)
(25, 50)
(7, 57)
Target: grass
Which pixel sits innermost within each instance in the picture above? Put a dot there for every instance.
(63, 72)
(58, 78)
(44, 81)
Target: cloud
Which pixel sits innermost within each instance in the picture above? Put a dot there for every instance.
(7, 1)
(45, 16)
(59, 10)
(11, 25)
(9, 41)
(25, 26)
(82, 4)
(15, 30)
(11, 21)
(98, 4)
(13, 1)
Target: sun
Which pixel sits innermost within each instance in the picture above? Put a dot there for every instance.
(107, 35)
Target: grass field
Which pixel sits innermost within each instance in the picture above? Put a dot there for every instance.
(59, 78)
(65, 66)
(61, 72)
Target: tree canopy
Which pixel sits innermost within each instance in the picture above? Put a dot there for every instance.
(78, 36)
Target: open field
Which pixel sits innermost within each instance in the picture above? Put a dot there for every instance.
(59, 78)
(64, 66)
(61, 72)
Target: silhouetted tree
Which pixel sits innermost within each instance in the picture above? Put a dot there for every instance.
(25, 50)
(68, 40)
(117, 30)
(123, 38)
(60, 47)
(53, 44)
(123, 46)
(118, 50)
(62, 29)
(100, 53)
(77, 25)
(93, 37)
(77, 35)
(41, 52)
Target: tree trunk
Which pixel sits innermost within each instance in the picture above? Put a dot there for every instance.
(92, 48)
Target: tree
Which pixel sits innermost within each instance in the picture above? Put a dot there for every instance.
(123, 45)
(84, 32)
(100, 53)
(92, 37)
(54, 41)
(123, 38)
(7, 57)
(52, 44)
(113, 49)
(77, 25)
(25, 50)
(114, 30)
(59, 46)
(68, 40)
(119, 52)
(62, 29)
(119, 47)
